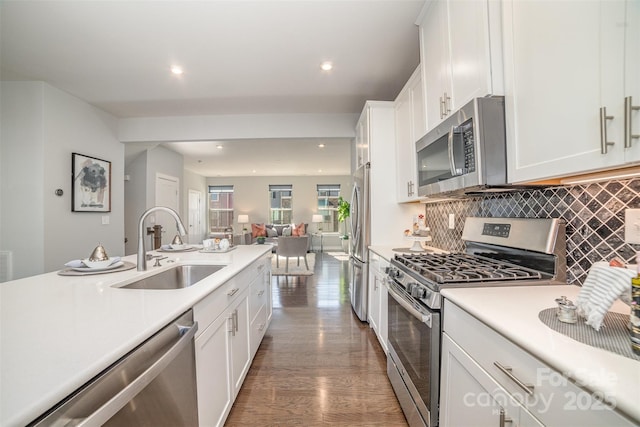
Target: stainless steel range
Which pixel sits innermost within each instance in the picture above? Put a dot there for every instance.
(499, 252)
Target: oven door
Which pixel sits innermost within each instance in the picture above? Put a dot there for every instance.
(414, 350)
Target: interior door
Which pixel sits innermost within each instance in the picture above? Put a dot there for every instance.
(196, 232)
(168, 195)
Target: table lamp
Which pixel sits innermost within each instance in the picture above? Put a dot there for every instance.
(317, 219)
(243, 219)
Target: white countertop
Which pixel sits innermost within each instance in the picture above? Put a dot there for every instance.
(57, 332)
(513, 312)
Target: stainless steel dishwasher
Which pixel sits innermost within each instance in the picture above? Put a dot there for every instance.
(153, 385)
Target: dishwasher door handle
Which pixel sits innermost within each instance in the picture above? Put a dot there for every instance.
(124, 396)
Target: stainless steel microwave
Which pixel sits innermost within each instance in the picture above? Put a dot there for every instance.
(466, 152)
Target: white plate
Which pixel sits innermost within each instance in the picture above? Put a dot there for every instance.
(185, 249)
(110, 267)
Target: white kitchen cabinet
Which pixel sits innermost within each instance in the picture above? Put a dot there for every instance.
(232, 320)
(481, 366)
(410, 119)
(260, 307)
(215, 393)
(378, 298)
(566, 84)
(362, 140)
(470, 397)
(460, 53)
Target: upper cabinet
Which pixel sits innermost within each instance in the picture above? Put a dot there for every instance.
(362, 140)
(410, 126)
(569, 85)
(460, 52)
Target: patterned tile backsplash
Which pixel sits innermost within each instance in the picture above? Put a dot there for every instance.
(594, 214)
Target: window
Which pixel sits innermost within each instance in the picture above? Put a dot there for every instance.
(281, 197)
(220, 207)
(328, 195)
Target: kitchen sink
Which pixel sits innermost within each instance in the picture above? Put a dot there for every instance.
(178, 277)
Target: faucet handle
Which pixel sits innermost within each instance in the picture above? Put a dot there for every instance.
(158, 258)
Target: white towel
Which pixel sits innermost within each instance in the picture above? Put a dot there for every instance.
(603, 286)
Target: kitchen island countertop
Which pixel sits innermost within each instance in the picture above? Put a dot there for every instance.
(513, 312)
(57, 332)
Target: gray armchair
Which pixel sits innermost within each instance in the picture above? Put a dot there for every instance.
(292, 246)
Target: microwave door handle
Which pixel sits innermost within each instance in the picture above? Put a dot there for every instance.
(452, 162)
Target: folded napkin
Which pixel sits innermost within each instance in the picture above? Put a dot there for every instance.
(603, 286)
(77, 263)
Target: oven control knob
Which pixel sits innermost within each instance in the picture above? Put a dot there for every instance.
(393, 272)
(418, 292)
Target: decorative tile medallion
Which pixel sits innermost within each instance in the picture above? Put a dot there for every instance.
(594, 214)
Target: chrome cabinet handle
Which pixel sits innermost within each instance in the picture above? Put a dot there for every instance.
(260, 293)
(441, 108)
(528, 388)
(447, 104)
(603, 130)
(232, 292)
(628, 128)
(235, 320)
(503, 418)
(230, 324)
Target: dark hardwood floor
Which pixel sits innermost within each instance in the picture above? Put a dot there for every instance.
(318, 364)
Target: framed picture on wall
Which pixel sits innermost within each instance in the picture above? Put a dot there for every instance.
(91, 184)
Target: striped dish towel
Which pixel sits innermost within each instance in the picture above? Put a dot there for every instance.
(603, 286)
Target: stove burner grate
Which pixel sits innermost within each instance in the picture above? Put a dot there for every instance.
(451, 268)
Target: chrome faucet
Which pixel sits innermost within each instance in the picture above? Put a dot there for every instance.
(142, 259)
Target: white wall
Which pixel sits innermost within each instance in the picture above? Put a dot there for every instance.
(251, 195)
(41, 127)
(141, 186)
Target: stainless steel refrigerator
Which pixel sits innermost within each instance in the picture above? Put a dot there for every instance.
(360, 240)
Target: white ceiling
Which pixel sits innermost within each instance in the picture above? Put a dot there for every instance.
(239, 57)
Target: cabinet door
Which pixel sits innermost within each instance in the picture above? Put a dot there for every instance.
(404, 148)
(632, 74)
(470, 54)
(374, 293)
(436, 69)
(240, 356)
(469, 396)
(215, 395)
(362, 139)
(556, 81)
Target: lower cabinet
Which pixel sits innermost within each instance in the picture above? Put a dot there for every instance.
(487, 380)
(378, 298)
(470, 397)
(225, 346)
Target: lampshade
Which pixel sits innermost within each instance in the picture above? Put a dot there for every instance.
(317, 218)
(243, 219)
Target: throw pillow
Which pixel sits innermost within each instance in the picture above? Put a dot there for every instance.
(299, 230)
(258, 230)
(271, 232)
(286, 231)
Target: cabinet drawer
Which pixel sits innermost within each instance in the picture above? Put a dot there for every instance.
(258, 296)
(553, 398)
(212, 306)
(258, 328)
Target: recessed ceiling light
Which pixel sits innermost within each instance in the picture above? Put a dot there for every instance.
(320, 145)
(253, 171)
(320, 170)
(219, 147)
(176, 70)
(326, 66)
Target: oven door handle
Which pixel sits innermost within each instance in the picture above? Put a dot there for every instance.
(400, 299)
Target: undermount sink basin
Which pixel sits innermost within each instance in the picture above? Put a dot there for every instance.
(178, 277)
